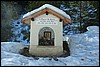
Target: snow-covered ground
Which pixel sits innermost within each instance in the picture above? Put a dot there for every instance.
(84, 49)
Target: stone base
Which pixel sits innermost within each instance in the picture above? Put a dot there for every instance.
(46, 50)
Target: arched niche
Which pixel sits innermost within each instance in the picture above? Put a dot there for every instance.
(46, 37)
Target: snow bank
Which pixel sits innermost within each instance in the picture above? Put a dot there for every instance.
(12, 47)
(84, 50)
(86, 46)
(93, 29)
(50, 7)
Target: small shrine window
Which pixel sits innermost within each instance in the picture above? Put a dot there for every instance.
(46, 13)
(60, 20)
(32, 19)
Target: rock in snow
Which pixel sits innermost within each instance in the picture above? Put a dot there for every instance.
(84, 51)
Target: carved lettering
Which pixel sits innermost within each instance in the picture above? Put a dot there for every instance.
(46, 21)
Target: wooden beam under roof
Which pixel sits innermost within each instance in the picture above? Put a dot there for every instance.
(43, 11)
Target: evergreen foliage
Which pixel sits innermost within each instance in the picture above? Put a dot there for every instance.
(83, 14)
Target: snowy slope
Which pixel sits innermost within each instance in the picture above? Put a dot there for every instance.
(86, 46)
(84, 52)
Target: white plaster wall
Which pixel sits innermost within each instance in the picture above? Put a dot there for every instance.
(46, 50)
(35, 28)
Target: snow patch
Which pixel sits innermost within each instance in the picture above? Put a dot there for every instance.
(50, 7)
(94, 29)
(84, 50)
(12, 47)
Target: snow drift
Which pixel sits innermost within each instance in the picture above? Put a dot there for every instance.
(84, 50)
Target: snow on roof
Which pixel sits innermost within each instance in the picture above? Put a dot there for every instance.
(50, 7)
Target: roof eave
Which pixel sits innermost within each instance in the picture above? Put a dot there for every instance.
(66, 20)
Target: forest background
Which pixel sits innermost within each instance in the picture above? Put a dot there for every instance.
(83, 14)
